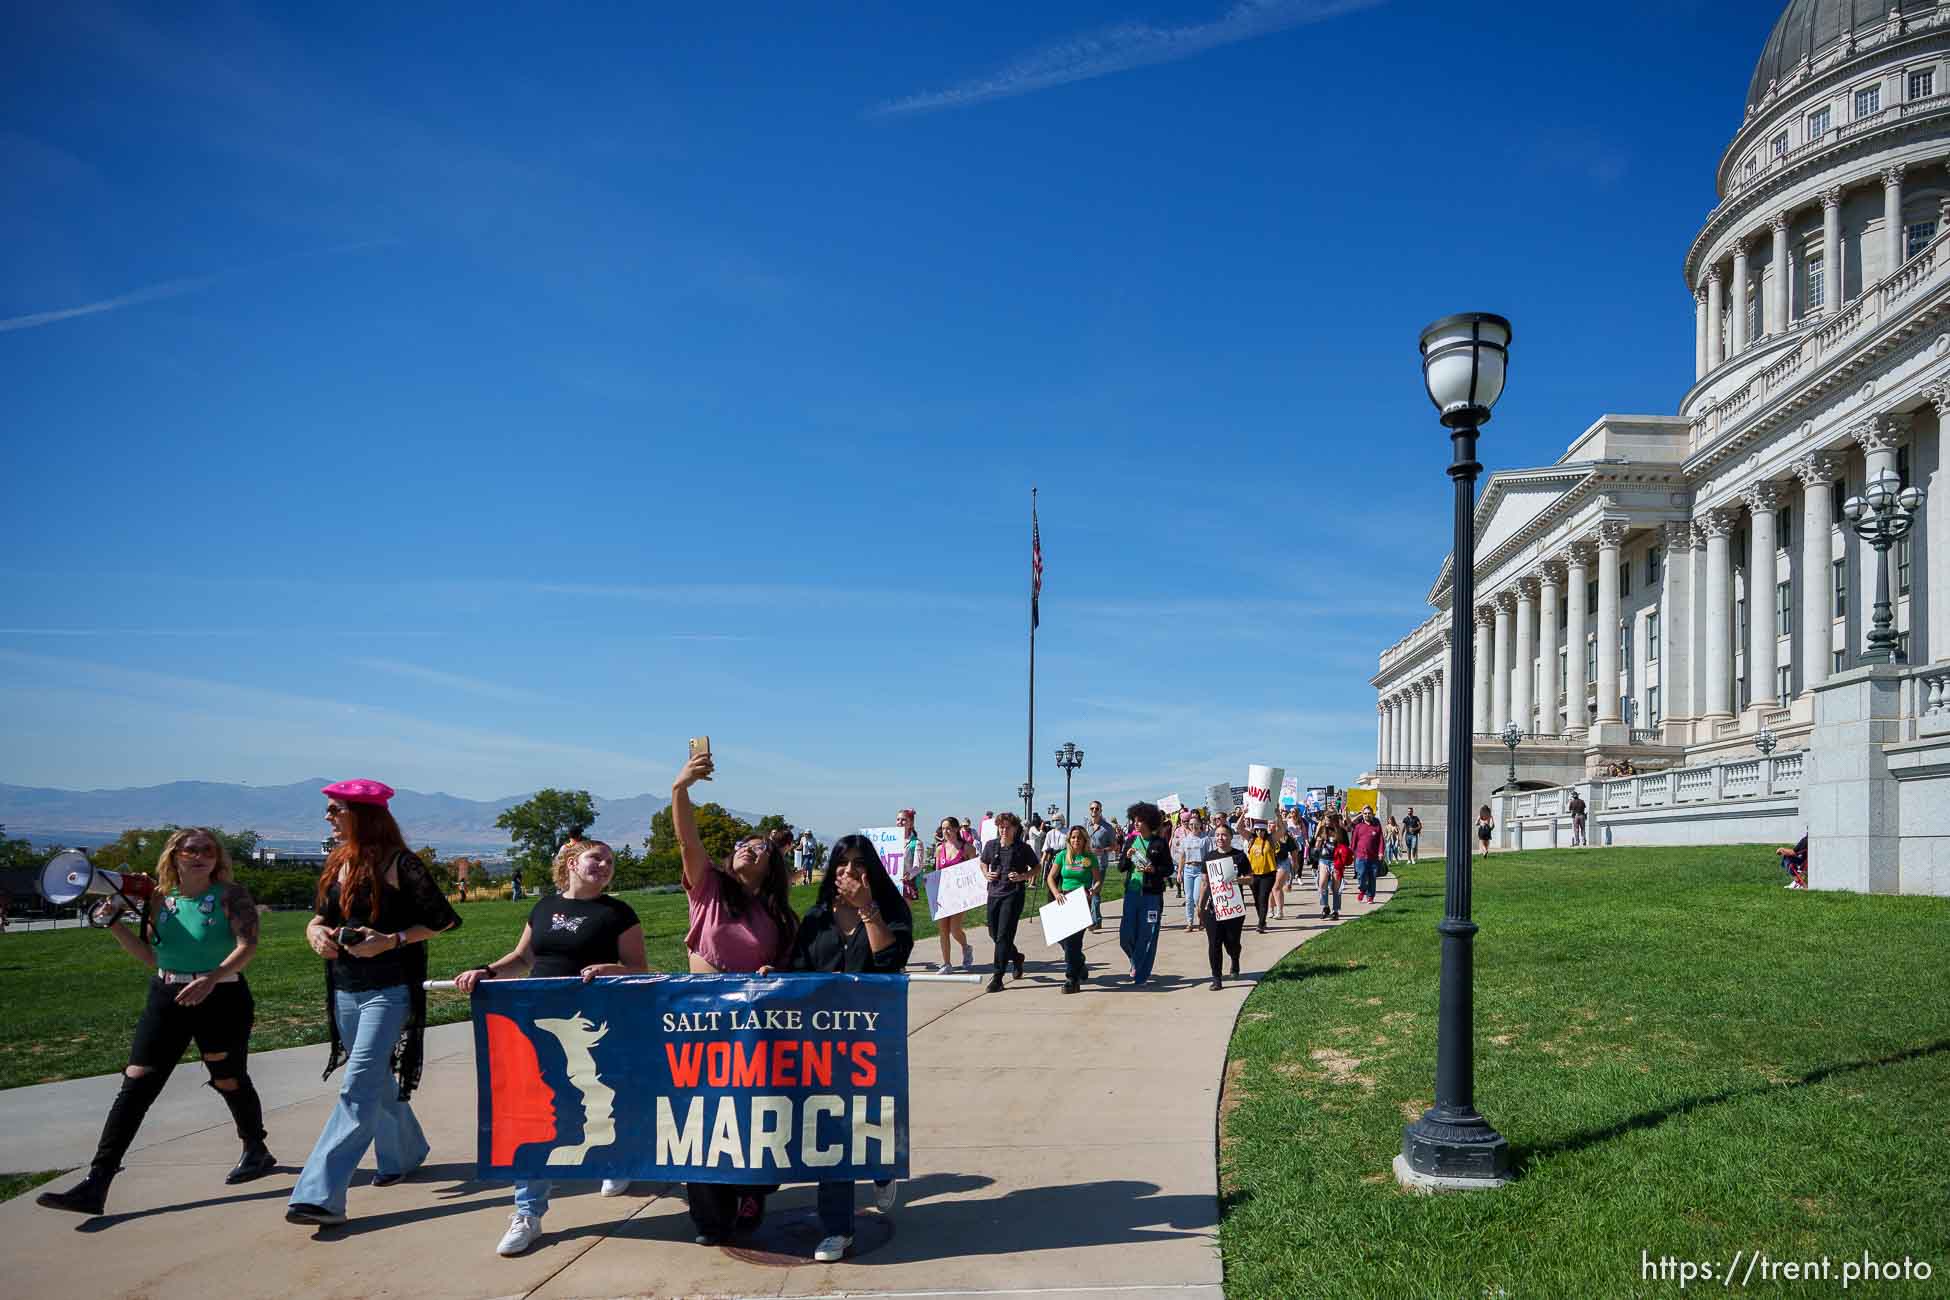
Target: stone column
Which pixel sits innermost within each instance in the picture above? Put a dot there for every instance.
(1675, 630)
(1935, 528)
(1738, 343)
(1440, 730)
(1418, 708)
(1380, 734)
(1500, 670)
(1429, 757)
(1395, 731)
(1780, 295)
(1816, 472)
(1892, 217)
(1762, 635)
(1482, 709)
(1611, 536)
(1718, 703)
(1523, 679)
(1576, 563)
(1548, 698)
(1831, 250)
(1715, 305)
(1699, 334)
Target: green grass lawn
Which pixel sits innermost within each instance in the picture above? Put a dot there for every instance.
(1687, 1060)
(74, 995)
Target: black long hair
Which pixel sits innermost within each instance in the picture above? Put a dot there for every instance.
(886, 894)
(774, 894)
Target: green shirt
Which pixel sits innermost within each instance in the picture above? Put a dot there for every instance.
(1080, 876)
(193, 934)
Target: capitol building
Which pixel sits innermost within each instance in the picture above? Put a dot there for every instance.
(1686, 593)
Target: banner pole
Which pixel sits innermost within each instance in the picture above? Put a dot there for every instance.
(1029, 783)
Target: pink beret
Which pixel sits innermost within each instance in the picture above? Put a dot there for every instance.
(360, 791)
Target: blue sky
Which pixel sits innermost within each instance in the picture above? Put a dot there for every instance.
(484, 400)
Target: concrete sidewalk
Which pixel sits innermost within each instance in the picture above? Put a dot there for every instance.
(1061, 1146)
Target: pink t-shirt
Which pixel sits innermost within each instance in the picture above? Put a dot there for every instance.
(736, 944)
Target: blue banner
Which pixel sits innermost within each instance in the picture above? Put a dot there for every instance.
(693, 1078)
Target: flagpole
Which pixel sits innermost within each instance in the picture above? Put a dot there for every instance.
(1029, 785)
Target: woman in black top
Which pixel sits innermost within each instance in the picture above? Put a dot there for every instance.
(1009, 864)
(377, 907)
(859, 925)
(1224, 863)
(579, 932)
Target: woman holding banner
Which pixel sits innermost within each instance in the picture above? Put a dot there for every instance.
(199, 931)
(1149, 866)
(953, 847)
(377, 907)
(581, 931)
(1075, 867)
(1009, 865)
(860, 925)
(1225, 867)
(741, 921)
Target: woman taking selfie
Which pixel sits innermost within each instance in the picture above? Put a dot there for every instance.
(199, 932)
(860, 925)
(377, 907)
(952, 847)
(580, 932)
(741, 921)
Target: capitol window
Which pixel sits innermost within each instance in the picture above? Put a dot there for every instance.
(1784, 609)
(1652, 714)
(1652, 637)
(1780, 145)
(1784, 683)
(1868, 101)
(1841, 589)
(1922, 83)
(1654, 559)
(1818, 123)
(1817, 283)
(1752, 168)
(1784, 527)
(1916, 237)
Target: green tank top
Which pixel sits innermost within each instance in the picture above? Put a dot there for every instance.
(193, 934)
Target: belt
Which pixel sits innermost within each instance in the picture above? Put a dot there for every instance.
(184, 977)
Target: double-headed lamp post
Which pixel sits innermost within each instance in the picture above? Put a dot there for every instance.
(1452, 1146)
(1512, 736)
(1882, 516)
(1069, 758)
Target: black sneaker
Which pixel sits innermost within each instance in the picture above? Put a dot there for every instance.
(305, 1212)
(1016, 963)
(256, 1162)
(387, 1180)
(1235, 972)
(1216, 985)
(1070, 986)
(995, 982)
(89, 1196)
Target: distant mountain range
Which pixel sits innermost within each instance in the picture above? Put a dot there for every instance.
(293, 812)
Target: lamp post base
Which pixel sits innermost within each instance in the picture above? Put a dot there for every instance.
(1453, 1151)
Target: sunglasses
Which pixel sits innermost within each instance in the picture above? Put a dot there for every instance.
(335, 810)
(198, 850)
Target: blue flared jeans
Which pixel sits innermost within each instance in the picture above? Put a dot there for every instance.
(369, 1112)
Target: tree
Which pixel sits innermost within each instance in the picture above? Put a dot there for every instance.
(442, 872)
(719, 830)
(541, 824)
(771, 822)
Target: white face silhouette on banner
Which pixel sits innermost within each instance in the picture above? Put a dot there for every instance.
(579, 1038)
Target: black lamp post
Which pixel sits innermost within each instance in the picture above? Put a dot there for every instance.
(1882, 516)
(1027, 793)
(1069, 758)
(1452, 1146)
(1511, 736)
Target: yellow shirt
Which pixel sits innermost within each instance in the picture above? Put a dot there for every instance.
(1260, 854)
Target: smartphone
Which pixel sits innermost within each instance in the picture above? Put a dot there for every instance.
(700, 745)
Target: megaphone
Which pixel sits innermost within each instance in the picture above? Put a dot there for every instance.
(69, 877)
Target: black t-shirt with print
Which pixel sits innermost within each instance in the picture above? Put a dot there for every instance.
(571, 933)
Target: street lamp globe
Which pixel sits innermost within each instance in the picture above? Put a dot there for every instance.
(1464, 359)
(1765, 740)
(1853, 509)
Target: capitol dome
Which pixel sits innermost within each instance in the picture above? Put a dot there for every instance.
(1808, 28)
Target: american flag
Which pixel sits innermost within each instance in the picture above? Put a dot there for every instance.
(1035, 570)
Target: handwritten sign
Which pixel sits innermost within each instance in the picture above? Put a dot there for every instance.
(1219, 798)
(954, 890)
(891, 842)
(1228, 903)
(1263, 790)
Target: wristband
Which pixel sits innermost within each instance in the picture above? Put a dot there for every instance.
(868, 914)
(399, 940)
(485, 972)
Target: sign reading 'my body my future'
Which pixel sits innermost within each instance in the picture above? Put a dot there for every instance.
(693, 1078)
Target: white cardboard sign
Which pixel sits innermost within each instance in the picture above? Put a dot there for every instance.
(1219, 798)
(1227, 901)
(1063, 919)
(955, 889)
(1263, 791)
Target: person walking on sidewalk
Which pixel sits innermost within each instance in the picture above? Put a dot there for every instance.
(1366, 839)
(1192, 844)
(1259, 857)
(378, 905)
(1412, 836)
(1334, 858)
(1225, 866)
(198, 931)
(580, 931)
(1009, 864)
(1577, 809)
(1075, 867)
(1485, 824)
(1148, 871)
(952, 848)
(1103, 841)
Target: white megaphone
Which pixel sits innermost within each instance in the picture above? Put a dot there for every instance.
(69, 877)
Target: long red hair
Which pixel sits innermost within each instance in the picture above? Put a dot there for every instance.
(359, 859)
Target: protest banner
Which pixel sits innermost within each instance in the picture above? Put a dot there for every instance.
(1227, 900)
(954, 890)
(1290, 792)
(693, 1078)
(1170, 804)
(1263, 791)
(1357, 799)
(989, 833)
(1062, 919)
(891, 843)
(1219, 798)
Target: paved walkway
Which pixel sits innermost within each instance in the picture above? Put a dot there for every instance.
(1061, 1146)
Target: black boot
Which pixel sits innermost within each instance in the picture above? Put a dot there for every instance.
(89, 1196)
(995, 982)
(247, 1112)
(256, 1162)
(1016, 961)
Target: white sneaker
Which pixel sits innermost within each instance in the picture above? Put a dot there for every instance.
(944, 969)
(887, 1199)
(832, 1248)
(616, 1187)
(521, 1234)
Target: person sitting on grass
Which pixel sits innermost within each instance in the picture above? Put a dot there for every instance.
(578, 931)
(1794, 861)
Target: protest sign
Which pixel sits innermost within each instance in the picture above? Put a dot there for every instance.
(1171, 803)
(1063, 919)
(1227, 901)
(989, 833)
(1357, 799)
(891, 842)
(1290, 792)
(1263, 791)
(953, 890)
(1219, 798)
(693, 1078)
